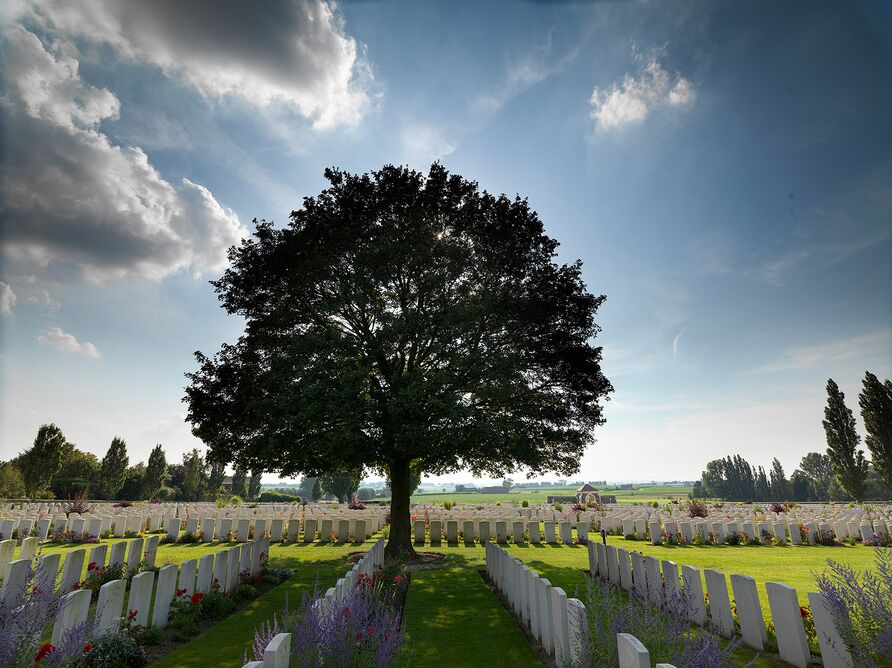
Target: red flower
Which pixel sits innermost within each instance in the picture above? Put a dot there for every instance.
(805, 612)
(76, 585)
(46, 648)
(180, 592)
(196, 598)
(255, 578)
(92, 566)
(132, 615)
(396, 579)
(88, 647)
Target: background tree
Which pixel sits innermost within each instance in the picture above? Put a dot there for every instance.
(818, 470)
(800, 486)
(12, 484)
(79, 473)
(763, 489)
(193, 476)
(305, 489)
(255, 484)
(342, 485)
(316, 492)
(133, 487)
(216, 475)
(842, 443)
(507, 483)
(876, 411)
(112, 469)
(44, 458)
(403, 319)
(157, 474)
(780, 489)
(240, 482)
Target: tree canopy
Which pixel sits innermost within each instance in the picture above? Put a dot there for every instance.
(876, 410)
(403, 319)
(842, 443)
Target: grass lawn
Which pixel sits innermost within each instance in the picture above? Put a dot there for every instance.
(452, 619)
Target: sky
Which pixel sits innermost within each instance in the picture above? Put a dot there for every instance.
(722, 169)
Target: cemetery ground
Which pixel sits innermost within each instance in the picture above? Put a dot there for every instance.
(451, 617)
(536, 495)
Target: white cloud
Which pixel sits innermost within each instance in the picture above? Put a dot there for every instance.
(868, 349)
(293, 53)
(45, 299)
(7, 299)
(76, 197)
(423, 144)
(676, 340)
(630, 102)
(772, 272)
(55, 337)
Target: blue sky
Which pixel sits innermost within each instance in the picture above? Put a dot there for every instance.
(724, 171)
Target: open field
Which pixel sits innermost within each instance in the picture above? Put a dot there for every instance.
(645, 494)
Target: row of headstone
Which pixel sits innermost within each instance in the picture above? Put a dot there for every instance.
(150, 598)
(373, 558)
(498, 530)
(559, 623)
(660, 583)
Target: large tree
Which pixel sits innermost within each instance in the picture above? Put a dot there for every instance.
(113, 469)
(842, 443)
(79, 473)
(342, 485)
(194, 476)
(403, 320)
(44, 458)
(240, 481)
(780, 488)
(876, 410)
(157, 474)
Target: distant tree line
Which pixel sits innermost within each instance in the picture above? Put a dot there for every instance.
(842, 473)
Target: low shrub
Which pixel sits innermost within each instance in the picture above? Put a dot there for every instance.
(778, 507)
(355, 504)
(697, 508)
(191, 537)
(861, 606)
(78, 504)
(277, 497)
(524, 504)
(123, 503)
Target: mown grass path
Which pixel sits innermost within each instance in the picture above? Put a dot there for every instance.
(453, 619)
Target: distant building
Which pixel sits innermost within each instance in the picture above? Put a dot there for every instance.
(227, 484)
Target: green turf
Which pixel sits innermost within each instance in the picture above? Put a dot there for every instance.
(447, 609)
(452, 619)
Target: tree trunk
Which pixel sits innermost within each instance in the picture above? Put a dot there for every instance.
(400, 542)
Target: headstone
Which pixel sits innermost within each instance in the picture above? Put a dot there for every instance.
(110, 606)
(207, 528)
(518, 532)
(43, 528)
(73, 610)
(566, 533)
(780, 532)
(468, 531)
(546, 614)
(309, 530)
(419, 532)
(561, 626)
(95, 527)
(671, 584)
(221, 567)
(788, 626)
(118, 553)
(164, 594)
(795, 534)
(140, 597)
(276, 527)
(187, 576)
(501, 532)
(483, 529)
(452, 531)
(436, 532)
(97, 555)
(29, 548)
(655, 536)
(205, 573)
(719, 603)
(533, 528)
(833, 651)
(150, 552)
(578, 631)
(625, 571)
(749, 611)
(294, 529)
(360, 531)
(15, 582)
(173, 528)
(135, 555)
(326, 530)
(549, 533)
(693, 590)
(654, 580)
(278, 652)
(225, 529)
(46, 572)
(244, 527)
(71, 570)
(234, 566)
(630, 652)
(638, 576)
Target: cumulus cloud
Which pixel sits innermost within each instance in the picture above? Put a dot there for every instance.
(7, 299)
(639, 95)
(76, 197)
(67, 343)
(295, 53)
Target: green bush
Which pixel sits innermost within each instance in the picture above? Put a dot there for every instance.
(216, 605)
(524, 504)
(113, 649)
(447, 505)
(153, 636)
(245, 592)
(272, 496)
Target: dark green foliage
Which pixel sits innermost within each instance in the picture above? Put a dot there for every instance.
(240, 482)
(876, 410)
(254, 485)
(216, 475)
(12, 484)
(134, 483)
(44, 459)
(194, 476)
(343, 485)
(272, 496)
(403, 320)
(79, 473)
(113, 469)
(780, 489)
(156, 472)
(848, 461)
